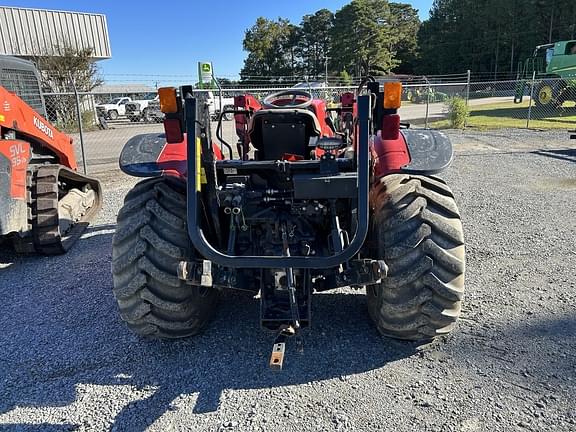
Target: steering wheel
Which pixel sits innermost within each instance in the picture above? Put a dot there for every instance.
(269, 101)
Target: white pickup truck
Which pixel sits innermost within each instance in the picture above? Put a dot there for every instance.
(215, 108)
(113, 109)
(137, 110)
(213, 101)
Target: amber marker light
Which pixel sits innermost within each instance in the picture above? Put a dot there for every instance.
(168, 103)
(392, 95)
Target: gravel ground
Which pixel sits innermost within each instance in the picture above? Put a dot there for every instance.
(68, 363)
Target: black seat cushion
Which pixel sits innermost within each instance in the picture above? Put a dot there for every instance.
(277, 132)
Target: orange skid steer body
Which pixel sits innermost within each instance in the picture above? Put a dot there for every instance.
(44, 202)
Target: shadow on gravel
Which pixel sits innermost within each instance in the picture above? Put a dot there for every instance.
(63, 332)
(537, 355)
(7, 255)
(65, 352)
(233, 354)
(567, 154)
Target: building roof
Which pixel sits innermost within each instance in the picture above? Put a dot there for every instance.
(33, 32)
(124, 89)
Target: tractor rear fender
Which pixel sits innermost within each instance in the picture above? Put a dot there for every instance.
(149, 155)
(412, 151)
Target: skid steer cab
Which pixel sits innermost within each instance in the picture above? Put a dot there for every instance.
(45, 203)
(308, 199)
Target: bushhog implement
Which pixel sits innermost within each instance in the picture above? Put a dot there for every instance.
(45, 204)
(310, 199)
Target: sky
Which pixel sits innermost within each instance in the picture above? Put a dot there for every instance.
(169, 37)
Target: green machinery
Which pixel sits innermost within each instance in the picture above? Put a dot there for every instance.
(422, 95)
(554, 66)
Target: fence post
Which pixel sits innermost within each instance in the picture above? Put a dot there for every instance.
(468, 86)
(531, 97)
(80, 126)
(468, 75)
(428, 90)
(215, 80)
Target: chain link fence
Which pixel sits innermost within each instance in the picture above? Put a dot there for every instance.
(101, 122)
(538, 103)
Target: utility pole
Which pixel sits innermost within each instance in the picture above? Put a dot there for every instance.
(497, 54)
(573, 25)
(326, 58)
(551, 22)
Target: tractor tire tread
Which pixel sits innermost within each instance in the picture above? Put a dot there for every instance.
(152, 300)
(420, 237)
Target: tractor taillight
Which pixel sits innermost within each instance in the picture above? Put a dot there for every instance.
(392, 95)
(390, 127)
(347, 99)
(168, 100)
(173, 131)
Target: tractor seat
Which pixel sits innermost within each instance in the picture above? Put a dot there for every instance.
(283, 131)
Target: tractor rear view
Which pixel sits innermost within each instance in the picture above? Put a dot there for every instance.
(310, 199)
(45, 204)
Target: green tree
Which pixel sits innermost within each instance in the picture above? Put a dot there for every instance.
(61, 68)
(490, 36)
(363, 38)
(405, 22)
(345, 78)
(227, 82)
(69, 64)
(314, 41)
(434, 41)
(271, 49)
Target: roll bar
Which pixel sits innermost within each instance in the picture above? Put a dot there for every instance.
(208, 251)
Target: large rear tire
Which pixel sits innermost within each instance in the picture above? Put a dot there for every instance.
(548, 94)
(419, 233)
(151, 239)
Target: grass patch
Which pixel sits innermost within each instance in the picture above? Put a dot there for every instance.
(511, 115)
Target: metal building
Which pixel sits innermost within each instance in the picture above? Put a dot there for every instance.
(33, 32)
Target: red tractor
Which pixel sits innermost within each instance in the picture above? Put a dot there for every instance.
(310, 200)
(45, 204)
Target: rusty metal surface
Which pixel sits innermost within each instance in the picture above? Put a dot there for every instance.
(277, 357)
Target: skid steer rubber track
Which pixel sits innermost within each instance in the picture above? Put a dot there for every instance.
(49, 185)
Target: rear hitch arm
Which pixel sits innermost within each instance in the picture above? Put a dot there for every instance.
(279, 348)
